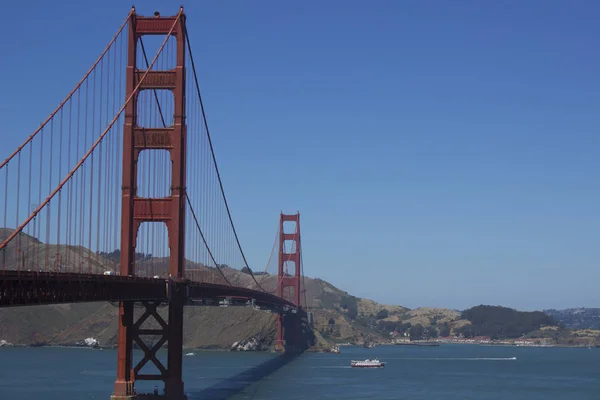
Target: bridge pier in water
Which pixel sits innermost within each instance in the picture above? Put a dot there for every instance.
(131, 332)
(294, 336)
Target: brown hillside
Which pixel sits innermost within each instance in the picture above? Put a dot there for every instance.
(338, 316)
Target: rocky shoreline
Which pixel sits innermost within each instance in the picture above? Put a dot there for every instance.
(257, 343)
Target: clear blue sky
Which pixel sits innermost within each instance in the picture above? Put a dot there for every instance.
(441, 153)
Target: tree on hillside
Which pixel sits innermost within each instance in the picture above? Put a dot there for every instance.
(404, 327)
(348, 303)
(393, 326)
(444, 329)
(432, 332)
(115, 255)
(382, 314)
(416, 332)
(465, 331)
(502, 322)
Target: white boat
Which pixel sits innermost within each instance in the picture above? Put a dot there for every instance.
(368, 363)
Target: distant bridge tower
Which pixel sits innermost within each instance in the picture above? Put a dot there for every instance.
(169, 210)
(289, 327)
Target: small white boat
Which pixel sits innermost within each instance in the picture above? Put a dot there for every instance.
(368, 363)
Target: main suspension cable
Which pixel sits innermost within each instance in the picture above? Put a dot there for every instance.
(215, 162)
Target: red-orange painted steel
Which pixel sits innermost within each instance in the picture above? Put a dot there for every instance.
(293, 281)
(170, 210)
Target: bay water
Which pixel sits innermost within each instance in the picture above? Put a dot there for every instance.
(445, 372)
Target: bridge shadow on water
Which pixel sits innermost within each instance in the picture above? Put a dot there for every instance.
(239, 382)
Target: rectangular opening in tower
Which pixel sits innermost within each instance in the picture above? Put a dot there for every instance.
(152, 250)
(154, 174)
(289, 227)
(289, 246)
(147, 48)
(289, 268)
(155, 108)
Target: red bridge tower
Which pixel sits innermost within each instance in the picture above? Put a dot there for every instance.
(289, 328)
(168, 210)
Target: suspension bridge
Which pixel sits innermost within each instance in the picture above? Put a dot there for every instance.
(117, 197)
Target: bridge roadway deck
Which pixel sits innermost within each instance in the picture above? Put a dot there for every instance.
(28, 288)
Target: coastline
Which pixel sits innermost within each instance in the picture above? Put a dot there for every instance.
(185, 349)
(437, 344)
(310, 350)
